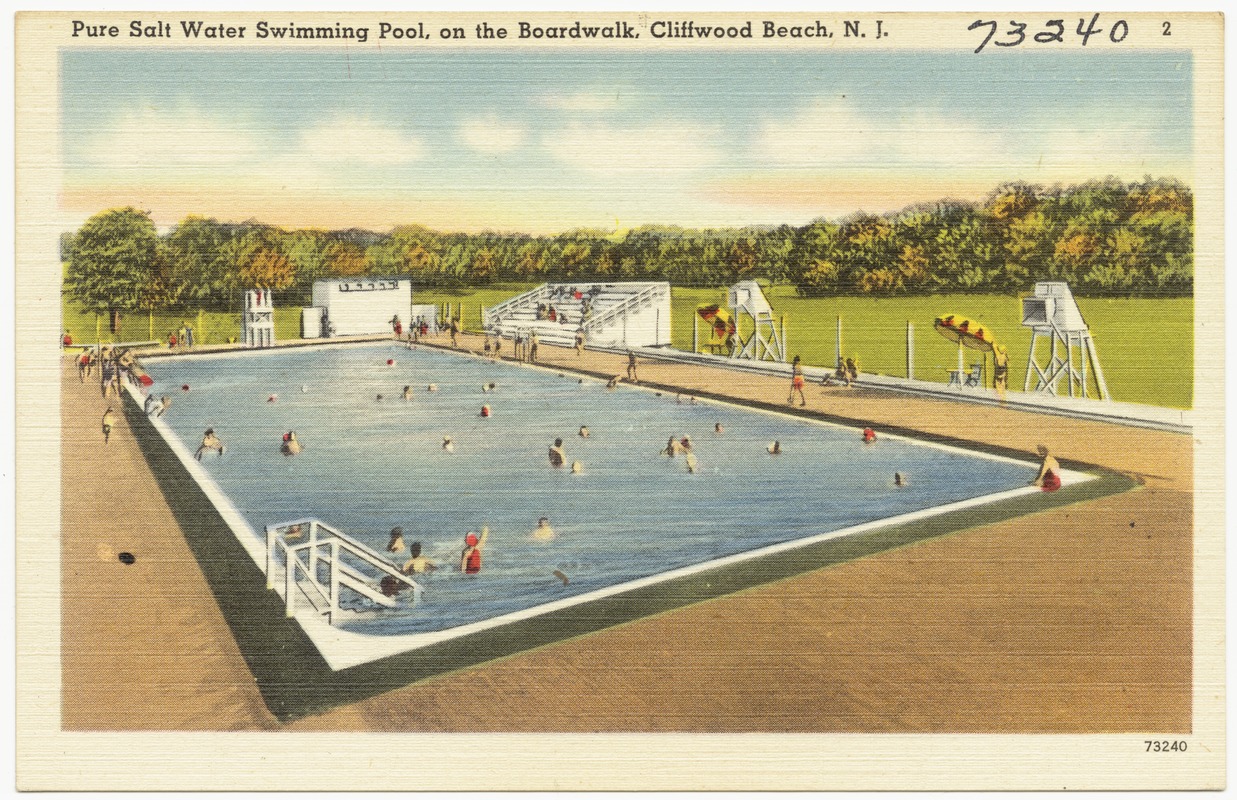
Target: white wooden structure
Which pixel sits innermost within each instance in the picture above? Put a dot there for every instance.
(766, 343)
(626, 314)
(258, 319)
(362, 306)
(1051, 313)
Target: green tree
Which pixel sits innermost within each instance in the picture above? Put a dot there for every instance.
(199, 262)
(114, 258)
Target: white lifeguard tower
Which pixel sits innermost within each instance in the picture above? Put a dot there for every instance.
(1051, 312)
(258, 319)
(766, 343)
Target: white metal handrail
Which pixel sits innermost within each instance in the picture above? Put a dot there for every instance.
(627, 304)
(531, 296)
(340, 575)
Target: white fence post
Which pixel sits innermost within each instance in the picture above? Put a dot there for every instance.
(289, 582)
(270, 557)
(334, 581)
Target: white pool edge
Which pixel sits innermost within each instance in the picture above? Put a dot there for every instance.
(342, 649)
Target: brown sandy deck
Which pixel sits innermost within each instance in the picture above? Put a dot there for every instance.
(1077, 619)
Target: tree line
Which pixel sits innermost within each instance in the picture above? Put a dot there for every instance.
(1104, 237)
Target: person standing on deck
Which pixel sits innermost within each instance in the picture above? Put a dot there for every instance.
(796, 384)
(532, 347)
(631, 367)
(1000, 371)
(109, 419)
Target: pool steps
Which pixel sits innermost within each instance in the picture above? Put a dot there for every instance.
(304, 557)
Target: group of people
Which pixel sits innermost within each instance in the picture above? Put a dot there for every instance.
(181, 338)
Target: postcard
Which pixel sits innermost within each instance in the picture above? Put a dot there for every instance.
(619, 401)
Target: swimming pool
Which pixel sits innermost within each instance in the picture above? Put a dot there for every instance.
(372, 461)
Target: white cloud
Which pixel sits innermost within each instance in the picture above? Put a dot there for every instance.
(170, 139)
(360, 140)
(492, 135)
(837, 134)
(583, 101)
(667, 147)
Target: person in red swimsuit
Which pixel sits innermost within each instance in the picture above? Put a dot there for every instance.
(1049, 477)
(470, 558)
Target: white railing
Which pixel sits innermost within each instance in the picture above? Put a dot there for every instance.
(308, 545)
(532, 296)
(645, 295)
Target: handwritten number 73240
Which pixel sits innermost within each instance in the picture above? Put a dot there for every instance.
(1052, 31)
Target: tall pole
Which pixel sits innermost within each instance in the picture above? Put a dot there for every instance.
(910, 351)
(695, 333)
(838, 341)
(785, 344)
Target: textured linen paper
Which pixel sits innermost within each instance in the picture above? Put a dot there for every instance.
(785, 400)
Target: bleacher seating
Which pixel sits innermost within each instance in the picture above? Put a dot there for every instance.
(556, 311)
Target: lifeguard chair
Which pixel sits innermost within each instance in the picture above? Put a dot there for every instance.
(765, 343)
(1052, 313)
(258, 319)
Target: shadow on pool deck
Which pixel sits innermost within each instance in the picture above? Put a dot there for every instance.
(295, 681)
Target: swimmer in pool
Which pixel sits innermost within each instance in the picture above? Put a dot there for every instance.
(291, 446)
(613, 382)
(775, 448)
(209, 442)
(447, 444)
(433, 387)
(417, 564)
(673, 447)
(692, 465)
(396, 545)
(407, 393)
(899, 480)
(583, 431)
(558, 456)
(717, 428)
(543, 532)
(576, 468)
(470, 557)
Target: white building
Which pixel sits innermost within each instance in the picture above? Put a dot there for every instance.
(360, 306)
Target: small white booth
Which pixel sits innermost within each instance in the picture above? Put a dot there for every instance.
(358, 306)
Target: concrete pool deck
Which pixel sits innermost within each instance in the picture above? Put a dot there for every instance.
(1069, 620)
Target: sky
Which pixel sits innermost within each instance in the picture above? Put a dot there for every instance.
(542, 141)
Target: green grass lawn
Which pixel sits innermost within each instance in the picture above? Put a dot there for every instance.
(1143, 363)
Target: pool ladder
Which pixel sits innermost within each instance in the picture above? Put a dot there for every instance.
(310, 547)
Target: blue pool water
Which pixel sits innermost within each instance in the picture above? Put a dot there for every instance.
(369, 465)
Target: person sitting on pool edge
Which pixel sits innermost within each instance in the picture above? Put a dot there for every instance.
(1049, 477)
(558, 456)
(470, 557)
(417, 564)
